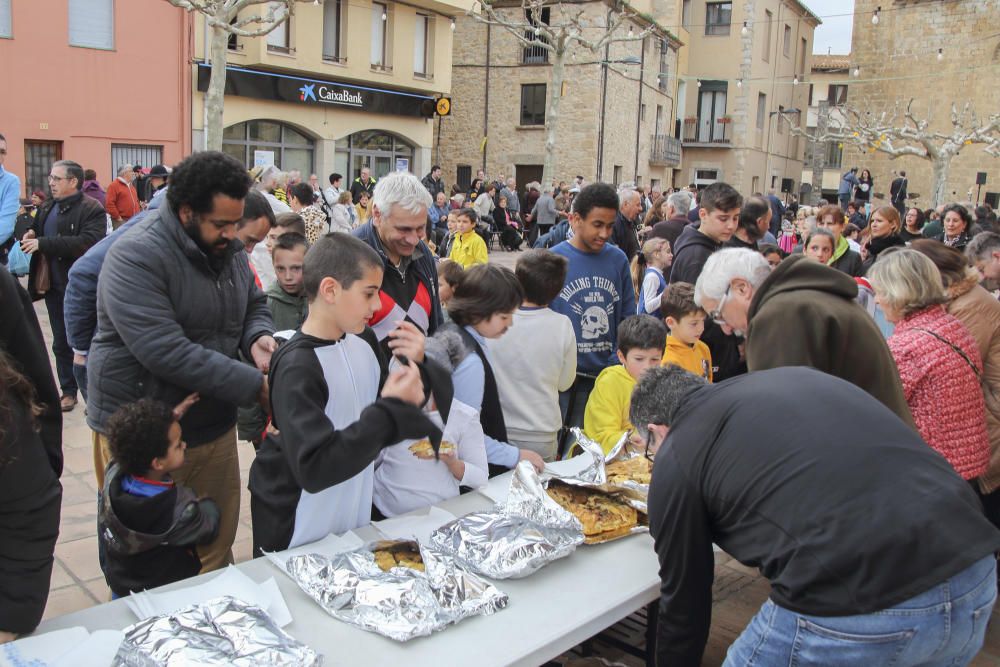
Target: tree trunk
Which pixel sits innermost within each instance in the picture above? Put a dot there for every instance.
(552, 116)
(216, 89)
(818, 152)
(940, 166)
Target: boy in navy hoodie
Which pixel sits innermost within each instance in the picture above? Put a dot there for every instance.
(598, 293)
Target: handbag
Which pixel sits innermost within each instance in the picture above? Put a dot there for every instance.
(18, 263)
(43, 277)
(989, 398)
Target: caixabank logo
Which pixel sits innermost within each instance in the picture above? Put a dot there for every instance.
(307, 93)
(327, 95)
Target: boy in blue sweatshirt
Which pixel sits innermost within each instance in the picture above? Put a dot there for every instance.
(598, 292)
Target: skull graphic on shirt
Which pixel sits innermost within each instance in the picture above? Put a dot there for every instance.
(594, 323)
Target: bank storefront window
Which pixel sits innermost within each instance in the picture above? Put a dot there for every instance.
(381, 152)
(269, 142)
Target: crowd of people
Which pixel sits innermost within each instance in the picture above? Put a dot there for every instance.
(336, 330)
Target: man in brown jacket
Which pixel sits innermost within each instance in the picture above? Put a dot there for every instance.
(122, 200)
(801, 314)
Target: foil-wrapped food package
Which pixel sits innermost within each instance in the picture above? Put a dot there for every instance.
(399, 589)
(514, 539)
(222, 631)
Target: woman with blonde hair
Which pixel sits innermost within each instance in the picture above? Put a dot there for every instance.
(881, 233)
(937, 358)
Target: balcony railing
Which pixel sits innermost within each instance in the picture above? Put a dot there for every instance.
(665, 150)
(534, 55)
(707, 131)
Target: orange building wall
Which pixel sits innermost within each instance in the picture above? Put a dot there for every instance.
(137, 93)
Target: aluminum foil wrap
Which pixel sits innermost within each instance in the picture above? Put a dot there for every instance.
(223, 631)
(402, 603)
(515, 539)
(594, 475)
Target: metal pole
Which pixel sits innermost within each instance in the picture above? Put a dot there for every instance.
(638, 112)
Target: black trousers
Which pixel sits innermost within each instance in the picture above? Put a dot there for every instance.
(60, 346)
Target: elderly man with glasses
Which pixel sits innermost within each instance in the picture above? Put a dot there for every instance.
(876, 550)
(64, 229)
(801, 314)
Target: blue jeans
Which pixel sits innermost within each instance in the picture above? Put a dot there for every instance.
(944, 625)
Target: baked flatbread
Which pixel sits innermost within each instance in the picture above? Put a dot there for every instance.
(423, 449)
(387, 559)
(638, 469)
(603, 517)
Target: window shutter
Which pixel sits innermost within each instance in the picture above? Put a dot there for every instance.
(92, 23)
(5, 26)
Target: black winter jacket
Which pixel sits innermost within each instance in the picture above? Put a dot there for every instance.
(169, 324)
(150, 541)
(82, 223)
(624, 236)
(690, 254)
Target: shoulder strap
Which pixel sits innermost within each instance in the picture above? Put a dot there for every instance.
(956, 348)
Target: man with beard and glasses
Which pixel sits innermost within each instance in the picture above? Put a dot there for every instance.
(177, 304)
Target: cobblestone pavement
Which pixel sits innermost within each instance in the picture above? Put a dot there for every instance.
(77, 582)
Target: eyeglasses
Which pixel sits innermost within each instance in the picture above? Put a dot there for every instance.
(649, 443)
(716, 315)
(59, 178)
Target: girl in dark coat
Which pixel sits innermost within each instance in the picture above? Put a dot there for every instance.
(883, 232)
(863, 190)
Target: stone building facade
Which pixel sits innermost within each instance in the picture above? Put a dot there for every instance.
(501, 89)
(747, 61)
(897, 61)
(829, 89)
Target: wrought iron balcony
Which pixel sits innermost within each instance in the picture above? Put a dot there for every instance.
(665, 150)
(707, 131)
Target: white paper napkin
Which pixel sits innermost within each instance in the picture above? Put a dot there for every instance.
(409, 526)
(72, 647)
(230, 582)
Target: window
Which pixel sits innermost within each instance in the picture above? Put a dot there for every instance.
(279, 39)
(380, 17)
(533, 104)
(711, 111)
(836, 94)
(686, 14)
(5, 23)
(664, 74)
(617, 178)
(802, 56)
(761, 110)
(38, 159)
(331, 30)
(233, 43)
(659, 120)
(92, 24)
(421, 40)
(768, 20)
(642, 112)
(463, 177)
(290, 148)
(718, 16)
(781, 110)
(535, 54)
(786, 44)
(133, 154)
(834, 154)
(654, 184)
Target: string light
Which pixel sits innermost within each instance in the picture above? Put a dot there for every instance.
(875, 16)
(316, 2)
(857, 71)
(384, 17)
(453, 24)
(537, 31)
(739, 83)
(699, 83)
(744, 30)
(630, 32)
(940, 55)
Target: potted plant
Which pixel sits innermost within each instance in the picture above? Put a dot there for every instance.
(690, 120)
(725, 120)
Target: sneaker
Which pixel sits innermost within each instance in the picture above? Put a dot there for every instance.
(67, 403)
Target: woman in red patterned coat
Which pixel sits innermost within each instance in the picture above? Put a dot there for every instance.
(938, 360)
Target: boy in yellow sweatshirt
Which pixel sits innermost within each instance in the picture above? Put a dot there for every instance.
(641, 339)
(467, 247)
(686, 322)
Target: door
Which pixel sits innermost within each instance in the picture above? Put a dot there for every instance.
(524, 174)
(38, 159)
(712, 107)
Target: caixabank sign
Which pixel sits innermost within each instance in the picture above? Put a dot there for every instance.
(298, 90)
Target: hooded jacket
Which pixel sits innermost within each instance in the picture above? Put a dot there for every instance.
(605, 419)
(287, 310)
(846, 260)
(169, 323)
(149, 541)
(805, 314)
(690, 254)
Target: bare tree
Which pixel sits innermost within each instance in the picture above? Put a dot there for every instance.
(899, 132)
(223, 19)
(568, 28)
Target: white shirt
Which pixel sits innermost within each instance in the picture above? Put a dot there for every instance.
(650, 291)
(263, 265)
(404, 482)
(532, 363)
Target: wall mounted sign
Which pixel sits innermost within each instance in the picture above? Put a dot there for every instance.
(299, 90)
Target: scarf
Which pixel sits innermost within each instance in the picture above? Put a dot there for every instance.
(877, 245)
(842, 247)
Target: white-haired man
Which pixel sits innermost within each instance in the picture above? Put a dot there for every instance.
(801, 314)
(409, 286)
(122, 200)
(678, 205)
(629, 208)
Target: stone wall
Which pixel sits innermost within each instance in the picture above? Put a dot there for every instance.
(578, 127)
(904, 46)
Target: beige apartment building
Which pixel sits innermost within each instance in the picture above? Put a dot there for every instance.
(897, 60)
(746, 62)
(340, 86)
(616, 116)
(822, 162)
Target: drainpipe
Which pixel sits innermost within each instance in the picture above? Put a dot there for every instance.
(638, 115)
(604, 105)
(486, 96)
